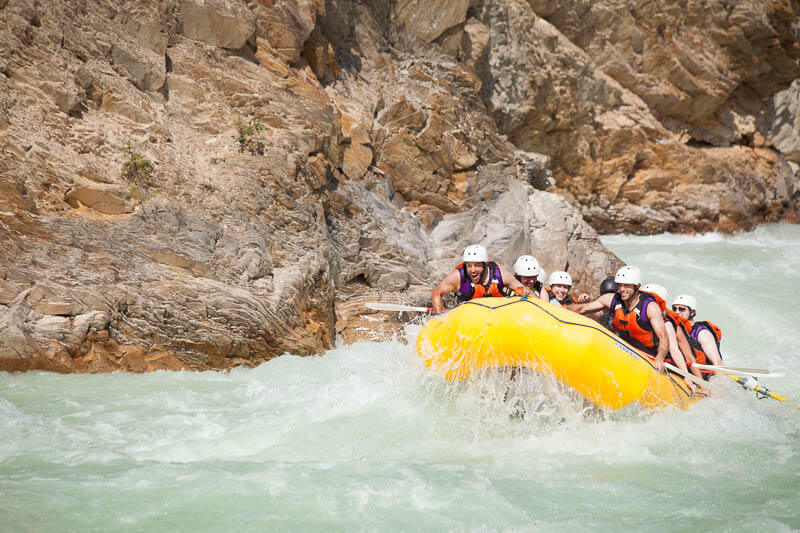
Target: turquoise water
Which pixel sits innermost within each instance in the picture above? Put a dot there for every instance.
(365, 439)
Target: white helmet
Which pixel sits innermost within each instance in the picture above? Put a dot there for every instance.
(629, 274)
(656, 289)
(475, 253)
(685, 299)
(526, 265)
(559, 277)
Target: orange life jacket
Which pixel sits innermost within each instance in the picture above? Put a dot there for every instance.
(634, 326)
(661, 303)
(694, 340)
(678, 321)
(493, 286)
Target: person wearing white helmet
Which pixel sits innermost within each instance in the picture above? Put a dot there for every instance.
(560, 283)
(528, 272)
(636, 316)
(476, 277)
(704, 336)
(558, 292)
(680, 352)
(687, 304)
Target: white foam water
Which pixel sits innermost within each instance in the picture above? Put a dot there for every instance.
(365, 438)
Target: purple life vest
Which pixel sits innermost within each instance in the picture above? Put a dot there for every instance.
(493, 286)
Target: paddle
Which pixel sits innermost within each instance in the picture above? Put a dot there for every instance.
(685, 375)
(740, 370)
(752, 384)
(379, 306)
(694, 379)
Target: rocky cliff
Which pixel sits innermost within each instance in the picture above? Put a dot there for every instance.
(654, 114)
(206, 183)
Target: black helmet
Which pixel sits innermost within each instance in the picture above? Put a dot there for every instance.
(608, 285)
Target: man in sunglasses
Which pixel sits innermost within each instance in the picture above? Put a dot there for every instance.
(636, 316)
(704, 336)
(680, 351)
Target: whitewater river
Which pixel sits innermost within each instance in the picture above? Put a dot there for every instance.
(365, 439)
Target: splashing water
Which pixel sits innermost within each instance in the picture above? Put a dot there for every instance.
(366, 438)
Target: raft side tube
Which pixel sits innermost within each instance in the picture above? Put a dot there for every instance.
(576, 350)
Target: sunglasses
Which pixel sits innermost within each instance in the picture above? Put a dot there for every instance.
(679, 308)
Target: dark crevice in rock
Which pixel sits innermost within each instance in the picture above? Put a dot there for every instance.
(247, 52)
(697, 143)
(77, 111)
(164, 90)
(360, 279)
(339, 24)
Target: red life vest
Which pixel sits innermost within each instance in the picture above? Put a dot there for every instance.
(633, 325)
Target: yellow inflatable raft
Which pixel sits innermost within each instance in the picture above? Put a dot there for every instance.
(576, 350)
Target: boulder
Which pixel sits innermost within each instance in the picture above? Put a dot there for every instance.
(146, 71)
(430, 19)
(223, 23)
(107, 199)
(524, 221)
(782, 122)
(357, 160)
(287, 25)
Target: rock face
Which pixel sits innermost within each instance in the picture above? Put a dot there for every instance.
(203, 184)
(648, 111)
(782, 122)
(207, 184)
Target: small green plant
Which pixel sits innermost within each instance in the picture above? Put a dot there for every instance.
(139, 172)
(209, 187)
(246, 141)
(137, 169)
